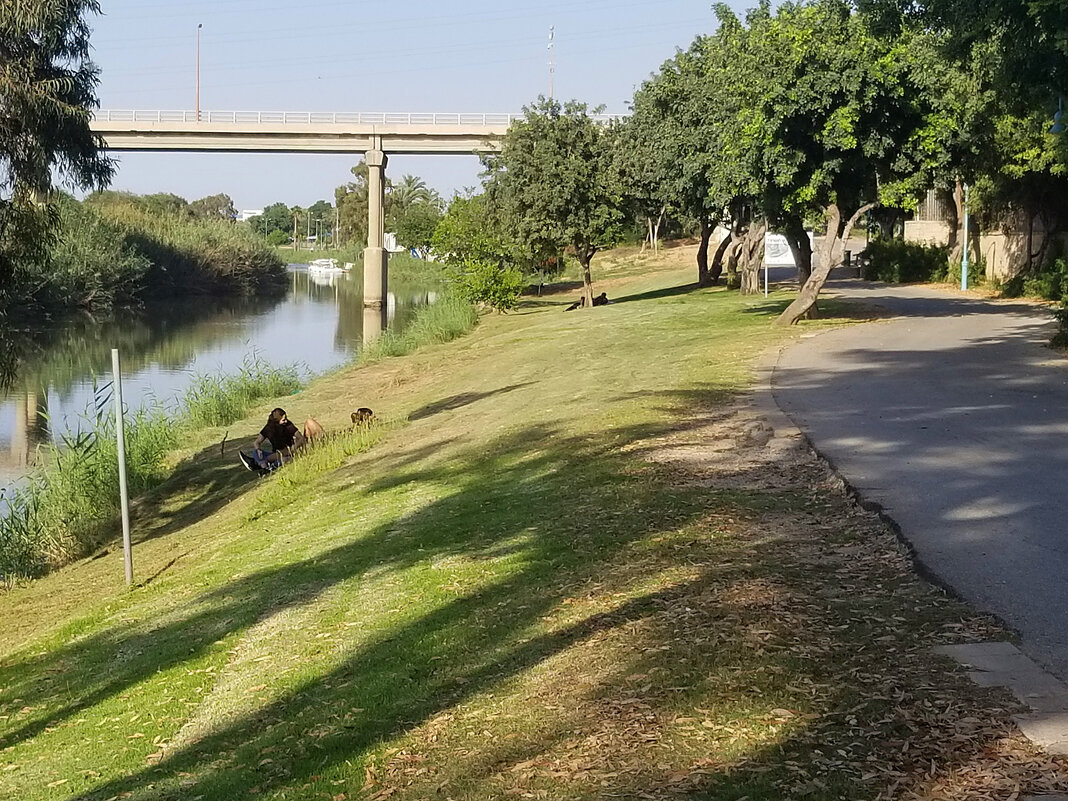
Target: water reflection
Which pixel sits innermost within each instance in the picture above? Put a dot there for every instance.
(49, 373)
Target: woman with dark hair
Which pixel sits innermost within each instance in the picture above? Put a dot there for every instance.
(284, 438)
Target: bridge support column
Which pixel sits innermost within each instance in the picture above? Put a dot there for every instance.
(375, 257)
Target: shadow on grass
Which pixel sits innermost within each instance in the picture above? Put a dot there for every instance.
(575, 507)
(669, 292)
(463, 399)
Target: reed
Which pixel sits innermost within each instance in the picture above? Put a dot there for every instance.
(442, 321)
(215, 401)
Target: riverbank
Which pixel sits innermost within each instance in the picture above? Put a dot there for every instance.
(570, 563)
(118, 253)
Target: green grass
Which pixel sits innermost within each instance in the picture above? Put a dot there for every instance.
(218, 401)
(568, 569)
(70, 502)
(442, 321)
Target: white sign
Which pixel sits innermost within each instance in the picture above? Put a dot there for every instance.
(777, 251)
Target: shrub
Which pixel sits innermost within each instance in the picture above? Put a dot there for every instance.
(488, 284)
(976, 272)
(1060, 338)
(898, 262)
(1050, 283)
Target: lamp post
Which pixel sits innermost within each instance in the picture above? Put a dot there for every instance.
(964, 257)
(199, 26)
(552, 35)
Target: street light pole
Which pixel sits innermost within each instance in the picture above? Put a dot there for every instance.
(199, 26)
(964, 258)
(552, 34)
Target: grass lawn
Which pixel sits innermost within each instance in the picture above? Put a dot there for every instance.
(570, 562)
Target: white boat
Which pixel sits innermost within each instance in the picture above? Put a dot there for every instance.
(324, 266)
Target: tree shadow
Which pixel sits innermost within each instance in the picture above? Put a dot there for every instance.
(462, 399)
(668, 292)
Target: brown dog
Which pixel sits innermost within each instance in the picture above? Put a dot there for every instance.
(362, 416)
(312, 429)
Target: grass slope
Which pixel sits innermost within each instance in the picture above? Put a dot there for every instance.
(569, 564)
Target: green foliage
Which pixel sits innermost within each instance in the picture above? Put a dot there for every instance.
(554, 183)
(976, 271)
(416, 225)
(442, 321)
(215, 401)
(1060, 338)
(488, 284)
(898, 262)
(214, 207)
(1049, 283)
(47, 89)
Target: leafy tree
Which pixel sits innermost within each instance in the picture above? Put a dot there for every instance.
(275, 217)
(214, 207)
(415, 228)
(165, 204)
(480, 257)
(47, 89)
(554, 184)
(351, 201)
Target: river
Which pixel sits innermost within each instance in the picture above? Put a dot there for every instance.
(317, 326)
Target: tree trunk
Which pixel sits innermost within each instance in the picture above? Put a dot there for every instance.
(734, 280)
(751, 258)
(800, 247)
(716, 270)
(656, 229)
(648, 233)
(811, 289)
(956, 231)
(702, 253)
(585, 257)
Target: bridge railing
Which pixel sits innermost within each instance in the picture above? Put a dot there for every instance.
(314, 117)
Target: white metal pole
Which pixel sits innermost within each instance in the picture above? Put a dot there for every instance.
(120, 437)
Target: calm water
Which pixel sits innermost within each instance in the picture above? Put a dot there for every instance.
(317, 326)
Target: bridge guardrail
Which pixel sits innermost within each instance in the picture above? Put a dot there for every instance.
(315, 117)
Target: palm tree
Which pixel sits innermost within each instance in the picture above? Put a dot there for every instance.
(408, 191)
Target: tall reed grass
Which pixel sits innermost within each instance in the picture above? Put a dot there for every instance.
(442, 321)
(219, 401)
(69, 503)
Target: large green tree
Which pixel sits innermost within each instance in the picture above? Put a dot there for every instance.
(214, 207)
(47, 90)
(555, 185)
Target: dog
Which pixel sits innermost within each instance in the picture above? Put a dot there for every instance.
(362, 416)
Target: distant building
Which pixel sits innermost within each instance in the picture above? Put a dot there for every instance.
(248, 214)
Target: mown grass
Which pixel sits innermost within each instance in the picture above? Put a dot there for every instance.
(575, 572)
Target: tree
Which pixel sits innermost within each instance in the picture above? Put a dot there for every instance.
(275, 217)
(415, 228)
(351, 202)
(214, 207)
(554, 184)
(821, 104)
(47, 89)
(165, 204)
(480, 256)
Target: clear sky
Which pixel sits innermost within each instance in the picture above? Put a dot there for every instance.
(348, 55)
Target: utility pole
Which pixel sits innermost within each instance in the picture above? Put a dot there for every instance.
(337, 226)
(199, 26)
(552, 35)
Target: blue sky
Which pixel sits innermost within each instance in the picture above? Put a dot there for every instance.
(337, 55)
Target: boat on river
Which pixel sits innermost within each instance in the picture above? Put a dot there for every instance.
(325, 267)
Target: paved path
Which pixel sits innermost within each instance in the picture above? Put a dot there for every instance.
(954, 417)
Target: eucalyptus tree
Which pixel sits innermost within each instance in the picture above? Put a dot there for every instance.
(555, 185)
(47, 91)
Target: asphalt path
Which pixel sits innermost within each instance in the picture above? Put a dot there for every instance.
(953, 416)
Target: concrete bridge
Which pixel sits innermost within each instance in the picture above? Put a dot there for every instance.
(373, 135)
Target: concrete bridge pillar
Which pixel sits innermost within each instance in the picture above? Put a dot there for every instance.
(375, 257)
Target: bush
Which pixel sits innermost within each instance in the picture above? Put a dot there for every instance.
(976, 272)
(1050, 283)
(1060, 338)
(898, 262)
(487, 284)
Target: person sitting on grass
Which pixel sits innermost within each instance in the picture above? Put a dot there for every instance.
(284, 437)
